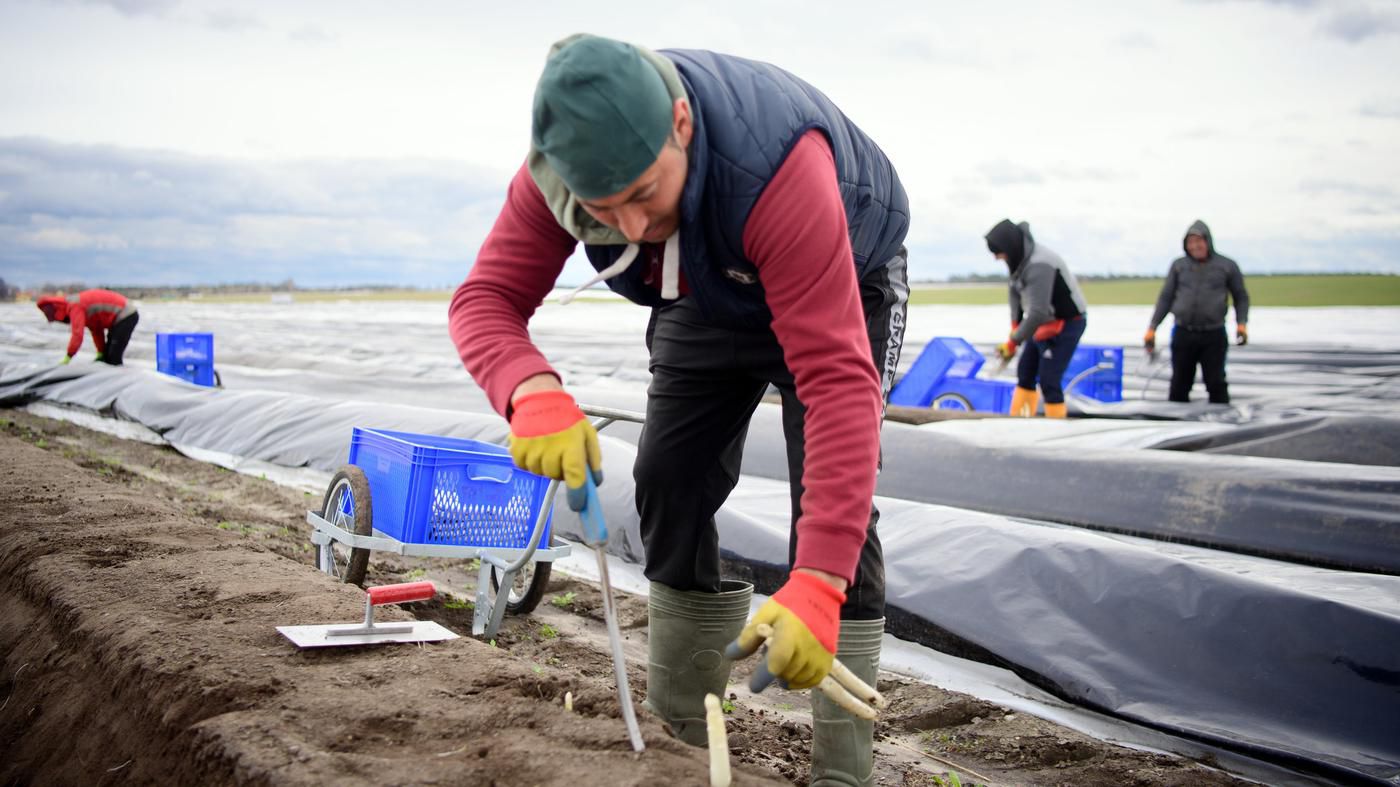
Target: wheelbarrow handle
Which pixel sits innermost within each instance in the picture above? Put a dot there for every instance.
(398, 594)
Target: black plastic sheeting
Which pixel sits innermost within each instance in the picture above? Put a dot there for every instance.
(1360, 440)
(1341, 516)
(1297, 665)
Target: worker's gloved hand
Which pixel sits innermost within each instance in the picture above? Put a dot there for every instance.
(550, 436)
(1006, 350)
(1149, 340)
(805, 615)
(1241, 335)
(65, 360)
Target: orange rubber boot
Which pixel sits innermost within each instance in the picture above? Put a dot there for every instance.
(1060, 410)
(1023, 402)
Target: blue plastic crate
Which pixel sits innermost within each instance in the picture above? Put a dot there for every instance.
(177, 348)
(946, 357)
(1106, 384)
(983, 396)
(426, 489)
(197, 373)
(189, 356)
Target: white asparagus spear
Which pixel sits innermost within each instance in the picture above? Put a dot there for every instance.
(719, 742)
(835, 686)
(863, 691)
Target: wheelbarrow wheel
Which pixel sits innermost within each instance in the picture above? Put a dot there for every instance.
(951, 401)
(527, 590)
(347, 506)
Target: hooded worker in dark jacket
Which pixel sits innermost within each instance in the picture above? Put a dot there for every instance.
(1197, 292)
(1047, 315)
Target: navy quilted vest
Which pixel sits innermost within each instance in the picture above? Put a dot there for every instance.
(747, 117)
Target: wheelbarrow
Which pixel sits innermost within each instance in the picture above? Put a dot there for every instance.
(430, 496)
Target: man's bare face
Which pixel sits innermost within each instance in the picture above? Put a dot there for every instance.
(1196, 246)
(648, 210)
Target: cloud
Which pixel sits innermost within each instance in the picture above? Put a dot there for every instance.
(1086, 174)
(230, 21)
(1356, 23)
(311, 34)
(175, 218)
(1388, 108)
(135, 8)
(1352, 21)
(1136, 39)
(1198, 133)
(1007, 173)
(1322, 186)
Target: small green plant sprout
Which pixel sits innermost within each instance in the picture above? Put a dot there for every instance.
(538, 670)
(547, 631)
(226, 526)
(726, 705)
(453, 602)
(416, 574)
(41, 443)
(951, 781)
(564, 600)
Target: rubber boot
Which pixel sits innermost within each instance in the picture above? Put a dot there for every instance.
(687, 632)
(1060, 410)
(1024, 402)
(842, 744)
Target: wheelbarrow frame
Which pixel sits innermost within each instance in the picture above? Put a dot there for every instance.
(488, 613)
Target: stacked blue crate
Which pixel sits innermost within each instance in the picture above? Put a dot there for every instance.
(1105, 383)
(944, 377)
(189, 356)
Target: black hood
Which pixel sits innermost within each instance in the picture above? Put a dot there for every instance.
(1199, 227)
(1007, 238)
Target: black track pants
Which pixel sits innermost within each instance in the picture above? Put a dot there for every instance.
(1206, 349)
(117, 339)
(707, 380)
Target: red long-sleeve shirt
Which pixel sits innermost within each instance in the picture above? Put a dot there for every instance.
(797, 237)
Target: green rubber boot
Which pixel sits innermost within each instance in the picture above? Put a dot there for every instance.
(842, 744)
(687, 632)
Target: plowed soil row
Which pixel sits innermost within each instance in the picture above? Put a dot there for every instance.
(139, 591)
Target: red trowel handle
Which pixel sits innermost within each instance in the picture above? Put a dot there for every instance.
(398, 594)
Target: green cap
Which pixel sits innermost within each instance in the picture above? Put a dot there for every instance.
(601, 116)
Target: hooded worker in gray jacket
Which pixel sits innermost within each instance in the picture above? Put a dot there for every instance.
(1195, 292)
(1047, 315)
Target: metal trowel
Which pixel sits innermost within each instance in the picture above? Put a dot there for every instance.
(368, 632)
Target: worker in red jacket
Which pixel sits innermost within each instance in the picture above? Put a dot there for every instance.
(108, 315)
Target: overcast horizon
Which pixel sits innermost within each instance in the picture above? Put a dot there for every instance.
(176, 142)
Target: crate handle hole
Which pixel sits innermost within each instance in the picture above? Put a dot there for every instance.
(499, 473)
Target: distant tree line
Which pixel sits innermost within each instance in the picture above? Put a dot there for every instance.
(1000, 278)
(176, 291)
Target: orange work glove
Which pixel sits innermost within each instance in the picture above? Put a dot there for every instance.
(805, 615)
(1241, 335)
(1007, 350)
(550, 436)
(1149, 340)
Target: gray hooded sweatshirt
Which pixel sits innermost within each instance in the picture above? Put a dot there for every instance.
(1195, 290)
(1042, 289)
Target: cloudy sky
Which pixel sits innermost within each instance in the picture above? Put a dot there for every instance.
(366, 141)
